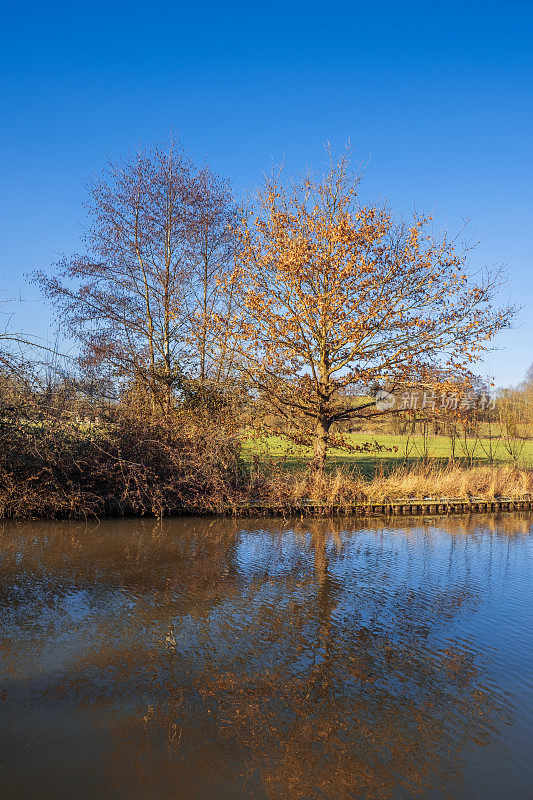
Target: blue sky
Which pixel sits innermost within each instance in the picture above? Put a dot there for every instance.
(436, 97)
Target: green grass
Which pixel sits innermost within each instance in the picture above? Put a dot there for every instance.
(293, 456)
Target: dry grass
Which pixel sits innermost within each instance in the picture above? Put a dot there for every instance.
(417, 481)
(452, 480)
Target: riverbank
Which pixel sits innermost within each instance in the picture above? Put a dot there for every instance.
(426, 507)
(420, 490)
(201, 461)
(170, 488)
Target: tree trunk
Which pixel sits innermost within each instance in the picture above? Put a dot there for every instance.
(168, 374)
(203, 339)
(320, 444)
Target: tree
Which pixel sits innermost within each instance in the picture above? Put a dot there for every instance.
(212, 237)
(527, 395)
(154, 219)
(528, 380)
(334, 296)
(19, 352)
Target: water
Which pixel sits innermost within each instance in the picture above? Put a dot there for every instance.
(267, 659)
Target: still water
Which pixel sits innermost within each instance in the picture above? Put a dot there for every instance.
(267, 659)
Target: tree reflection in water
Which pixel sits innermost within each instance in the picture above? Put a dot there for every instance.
(261, 660)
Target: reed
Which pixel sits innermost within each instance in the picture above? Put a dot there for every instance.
(415, 481)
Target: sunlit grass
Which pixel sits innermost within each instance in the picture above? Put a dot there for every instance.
(396, 450)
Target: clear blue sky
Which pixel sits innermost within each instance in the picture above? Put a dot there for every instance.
(438, 97)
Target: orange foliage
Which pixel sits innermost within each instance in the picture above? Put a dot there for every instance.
(334, 296)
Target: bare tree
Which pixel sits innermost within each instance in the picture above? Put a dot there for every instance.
(212, 239)
(129, 299)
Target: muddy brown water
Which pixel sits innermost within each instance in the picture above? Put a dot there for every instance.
(229, 659)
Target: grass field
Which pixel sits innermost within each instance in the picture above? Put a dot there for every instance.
(407, 452)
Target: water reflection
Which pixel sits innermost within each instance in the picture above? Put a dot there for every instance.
(230, 659)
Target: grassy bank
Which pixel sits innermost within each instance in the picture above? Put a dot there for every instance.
(52, 467)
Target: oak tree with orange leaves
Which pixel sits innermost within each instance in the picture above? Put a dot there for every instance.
(335, 296)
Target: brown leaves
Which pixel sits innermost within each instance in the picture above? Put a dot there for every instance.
(332, 296)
